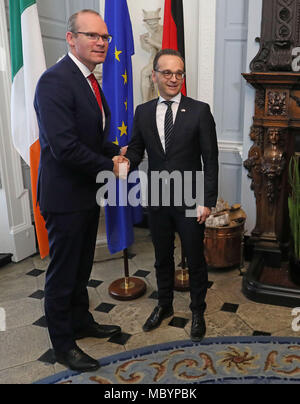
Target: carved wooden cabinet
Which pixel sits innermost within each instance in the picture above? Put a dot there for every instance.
(275, 134)
(276, 121)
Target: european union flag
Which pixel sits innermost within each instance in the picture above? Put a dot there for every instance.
(118, 90)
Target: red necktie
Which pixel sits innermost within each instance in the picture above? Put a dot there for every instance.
(95, 86)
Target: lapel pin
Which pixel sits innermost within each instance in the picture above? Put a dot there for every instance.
(183, 110)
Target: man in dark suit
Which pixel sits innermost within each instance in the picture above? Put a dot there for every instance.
(74, 121)
(177, 131)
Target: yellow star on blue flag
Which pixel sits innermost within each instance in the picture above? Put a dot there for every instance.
(117, 54)
(123, 129)
(125, 77)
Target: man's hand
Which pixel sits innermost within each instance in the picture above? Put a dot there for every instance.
(203, 213)
(123, 151)
(121, 167)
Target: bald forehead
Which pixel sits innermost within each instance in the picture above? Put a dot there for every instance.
(89, 19)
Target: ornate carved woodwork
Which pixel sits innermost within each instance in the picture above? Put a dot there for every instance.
(254, 166)
(276, 120)
(273, 164)
(280, 34)
(276, 136)
(277, 103)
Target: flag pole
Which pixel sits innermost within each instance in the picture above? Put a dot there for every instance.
(182, 278)
(118, 85)
(127, 288)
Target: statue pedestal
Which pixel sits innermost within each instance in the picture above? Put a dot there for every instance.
(274, 132)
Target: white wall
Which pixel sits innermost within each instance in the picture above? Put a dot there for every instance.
(5, 242)
(254, 31)
(229, 90)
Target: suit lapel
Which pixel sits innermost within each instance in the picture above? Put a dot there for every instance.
(82, 82)
(106, 110)
(154, 126)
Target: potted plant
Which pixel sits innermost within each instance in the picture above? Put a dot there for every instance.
(294, 211)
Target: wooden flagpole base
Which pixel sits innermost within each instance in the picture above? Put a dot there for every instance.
(127, 288)
(182, 278)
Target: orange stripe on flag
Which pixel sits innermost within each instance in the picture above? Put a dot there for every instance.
(40, 225)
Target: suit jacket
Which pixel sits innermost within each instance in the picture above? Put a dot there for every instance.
(74, 146)
(194, 141)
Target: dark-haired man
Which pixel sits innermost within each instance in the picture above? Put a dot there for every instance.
(178, 133)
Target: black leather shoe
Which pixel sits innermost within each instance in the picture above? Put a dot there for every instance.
(198, 329)
(157, 316)
(77, 360)
(98, 331)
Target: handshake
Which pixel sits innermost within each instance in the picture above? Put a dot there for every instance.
(121, 165)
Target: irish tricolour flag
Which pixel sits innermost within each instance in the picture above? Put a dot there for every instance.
(28, 64)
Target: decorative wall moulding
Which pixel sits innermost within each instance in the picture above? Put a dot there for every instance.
(231, 147)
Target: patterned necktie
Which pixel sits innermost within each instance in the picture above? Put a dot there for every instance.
(169, 125)
(95, 86)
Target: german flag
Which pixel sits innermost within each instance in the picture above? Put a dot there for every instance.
(173, 37)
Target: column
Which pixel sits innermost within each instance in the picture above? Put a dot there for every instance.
(17, 235)
(204, 35)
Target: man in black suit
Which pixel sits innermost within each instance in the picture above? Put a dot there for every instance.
(177, 131)
(74, 121)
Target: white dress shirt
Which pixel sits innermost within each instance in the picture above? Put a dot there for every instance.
(86, 72)
(161, 113)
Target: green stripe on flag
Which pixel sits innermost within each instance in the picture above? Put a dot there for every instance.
(25, 4)
(15, 37)
(16, 8)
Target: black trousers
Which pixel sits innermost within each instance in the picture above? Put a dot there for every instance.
(72, 239)
(163, 225)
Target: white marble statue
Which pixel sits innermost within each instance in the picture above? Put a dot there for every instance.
(151, 42)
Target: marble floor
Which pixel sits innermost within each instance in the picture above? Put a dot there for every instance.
(25, 348)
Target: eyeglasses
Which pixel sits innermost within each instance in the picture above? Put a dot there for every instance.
(168, 75)
(93, 36)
